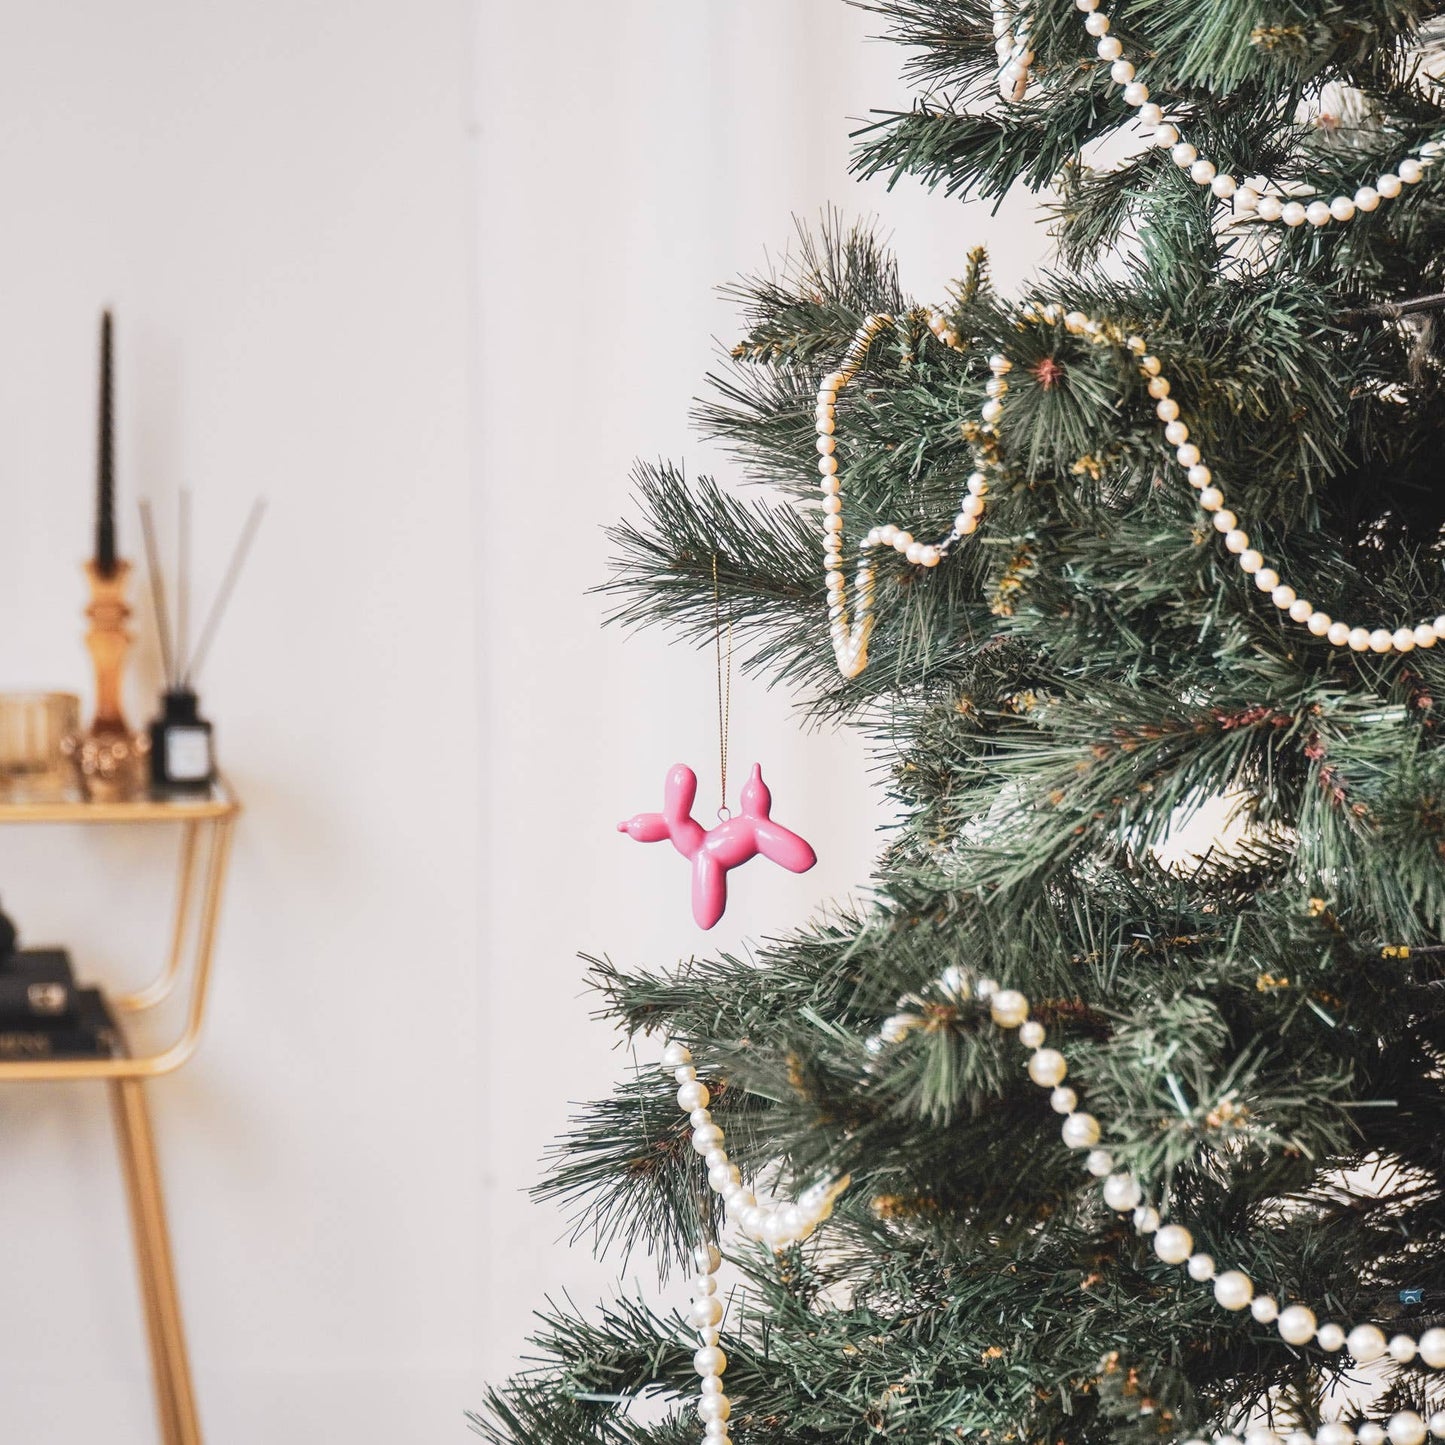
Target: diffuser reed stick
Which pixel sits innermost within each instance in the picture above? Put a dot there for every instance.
(223, 593)
(158, 590)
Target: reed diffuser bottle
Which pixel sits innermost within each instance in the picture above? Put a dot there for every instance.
(182, 751)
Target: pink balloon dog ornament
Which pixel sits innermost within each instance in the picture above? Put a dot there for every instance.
(716, 850)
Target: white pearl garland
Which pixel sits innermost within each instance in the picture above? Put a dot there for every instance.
(781, 1223)
(850, 631)
(1011, 45)
(1173, 1243)
(1249, 197)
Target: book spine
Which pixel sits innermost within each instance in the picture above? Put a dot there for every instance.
(56, 1043)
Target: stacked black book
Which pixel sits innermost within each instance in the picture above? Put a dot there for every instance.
(43, 1014)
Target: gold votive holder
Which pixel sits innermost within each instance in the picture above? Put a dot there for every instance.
(36, 729)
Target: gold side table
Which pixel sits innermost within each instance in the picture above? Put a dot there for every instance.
(206, 826)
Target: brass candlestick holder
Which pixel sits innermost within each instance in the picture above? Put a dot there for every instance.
(110, 759)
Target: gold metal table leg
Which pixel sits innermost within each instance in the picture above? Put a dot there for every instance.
(175, 1398)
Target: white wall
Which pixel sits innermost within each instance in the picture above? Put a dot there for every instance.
(429, 276)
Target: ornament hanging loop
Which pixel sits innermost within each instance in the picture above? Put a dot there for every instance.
(724, 690)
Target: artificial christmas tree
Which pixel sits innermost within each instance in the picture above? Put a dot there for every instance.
(1115, 1147)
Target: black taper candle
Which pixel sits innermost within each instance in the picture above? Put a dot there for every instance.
(105, 462)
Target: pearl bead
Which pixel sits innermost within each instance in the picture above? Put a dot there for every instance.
(1367, 198)
(972, 505)
(1425, 635)
(1149, 114)
(1200, 1267)
(1183, 154)
(1211, 499)
(703, 1284)
(1158, 386)
(1334, 1432)
(705, 1310)
(1410, 171)
(1405, 1427)
(1266, 579)
(1173, 1244)
(1432, 1348)
(1300, 610)
(712, 1385)
(1250, 560)
(1109, 48)
(1202, 172)
(1081, 1131)
(1047, 1068)
(830, 486)
(1366, 1343)
(1122, 1192)
(1402, 1349)
(1031, 1035)
(992, 411)
(1339, 633)
(1296, 1324)
(1264, 1309)
(1224, 186)
(1165, 135)
(714, 1407)
(1233, 1289)
(1317, 213)
(1063, 1101)
(1146, 1219)
(1319, 623)
(1371, 1434)
(1246, 198)
(1199, 475)
(675, 1055)
(1388, 185)
(827, 465)
(707, 1259)
(1167, 409)
(1381, 640)
(1099, 1162)
(1342, 208)
(1359, 639)
(684, 1073)
(1404, 639)
(914, 552)
(1330, 1337)
(709, 1361)
(930, 556)
(1097, 24)
(1439, 624)
(1121, 72)
(1136, 94)
(709, 1136)
(692, 1096)
(1270, 208)
(1283, 597)
(1008, 1008)
(775, 1230)
(1236, 541)
(1261, 1435)
(1150, 365)
(1293, 214)
(1437, 1424)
